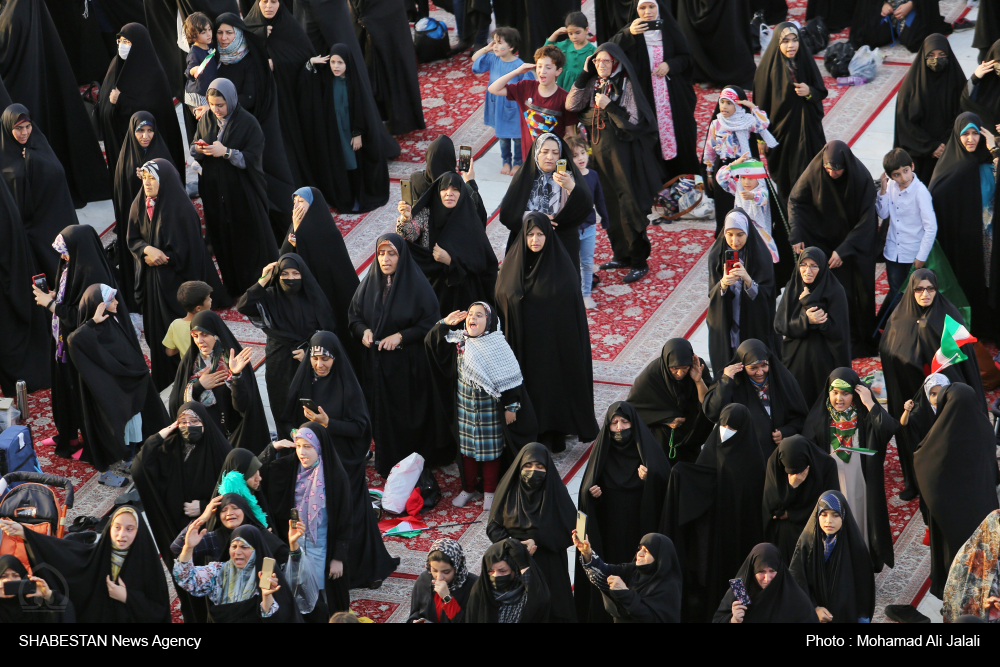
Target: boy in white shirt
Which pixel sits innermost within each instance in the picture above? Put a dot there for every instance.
(907, 204)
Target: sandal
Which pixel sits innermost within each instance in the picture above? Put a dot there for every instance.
(82, 523)
(111, 479)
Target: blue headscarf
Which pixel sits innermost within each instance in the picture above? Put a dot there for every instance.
(829, 501)
(306, 193)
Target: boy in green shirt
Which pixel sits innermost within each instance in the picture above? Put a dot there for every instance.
(577, 48)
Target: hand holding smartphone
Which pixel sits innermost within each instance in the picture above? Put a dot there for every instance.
(464, 158)
(40, 282)
(266, 570)
(740, 591)
(406, 194)
(732, 259)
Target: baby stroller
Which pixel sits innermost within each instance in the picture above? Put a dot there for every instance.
(35, 505)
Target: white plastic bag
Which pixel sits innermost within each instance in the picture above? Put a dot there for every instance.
(765, 36)
(865, 63)
(402, 478)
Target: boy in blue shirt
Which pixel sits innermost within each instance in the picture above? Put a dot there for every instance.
(498, 58)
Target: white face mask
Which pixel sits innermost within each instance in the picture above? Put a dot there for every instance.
(123, 50)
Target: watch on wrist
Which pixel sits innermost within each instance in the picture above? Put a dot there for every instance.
(446, 599)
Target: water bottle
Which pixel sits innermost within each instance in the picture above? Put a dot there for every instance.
(22, 400)
(850, 81)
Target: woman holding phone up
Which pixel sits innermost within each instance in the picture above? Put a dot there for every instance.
(740, 290)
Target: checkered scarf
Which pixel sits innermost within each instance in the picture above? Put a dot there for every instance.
(489, 363)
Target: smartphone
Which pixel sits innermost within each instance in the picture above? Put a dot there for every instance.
(293, 515)
(40, 282)
(560, 165)
(732, 259)
(266, 570)
(308, 403)
(21, 587)
(201, 142)
(404, 191)
(581, 526)
(656, 24)
(464, 158)
(740, 591)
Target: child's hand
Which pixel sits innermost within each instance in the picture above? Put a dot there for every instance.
(908, 406)
(746, 195)
(742, 158)
(885, 182)
(525, 68)
(554, 37)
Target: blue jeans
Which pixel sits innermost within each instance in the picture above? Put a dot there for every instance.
(505, 151)
(896, 273)
(588, 237)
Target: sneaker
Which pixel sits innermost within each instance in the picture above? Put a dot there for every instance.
(462, 499)
(589, 303)
(487, 501)
(613, 264)
(111, 479)
(963, 24)
(635, 274)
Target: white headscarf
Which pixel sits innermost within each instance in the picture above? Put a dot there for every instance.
(935, 380)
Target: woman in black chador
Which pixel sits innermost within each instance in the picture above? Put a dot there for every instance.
(37, 181)
(929, 100)
(392, 311)
(622, 496)
(870, 27)
(136, 82)
(164, 239)
(832, 207)
(541, 309)
(37, 74)
(710, 24)
(233, 188)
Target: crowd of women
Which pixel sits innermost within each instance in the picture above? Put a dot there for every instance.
(745, 487)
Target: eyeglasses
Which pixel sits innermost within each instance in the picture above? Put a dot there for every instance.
(921, 290)
(604, 61)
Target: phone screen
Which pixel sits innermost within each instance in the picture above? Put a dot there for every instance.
(464, 158)
(40, 282)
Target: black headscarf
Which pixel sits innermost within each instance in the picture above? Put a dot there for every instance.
(483, 606)
(956, 469)
(838, 215)
(545, 323)
(230, 194)
(440, 159)
(223, 535)
(677, 55)
(927, 104)
(796, 123)
(791, 457)
(654, 590)
(127, 185)
(278, 486)
(320, 244)
(244, 462)
(252, 432)
(783, 601)
(142, 86)
(811, 348)
(472, 274)
(254, 80)
(545, 514)
(788, 407)
(37, 181)
(613, 465)
(841, 581)
(37, 74)
(116, 379)
(248, 611)
(957, 192)
(658, 398)
(83, 570)
(867, 28)
(711, 510)
(175, 229)
(757, 314)
(24, 327)
(368, 186)
(574, 211)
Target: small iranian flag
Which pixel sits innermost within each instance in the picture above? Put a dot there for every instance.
(753, 169)
(953, 338)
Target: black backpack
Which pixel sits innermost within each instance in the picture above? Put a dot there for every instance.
(838, 59)
(431, 43)
(815, 35)
(429, 489)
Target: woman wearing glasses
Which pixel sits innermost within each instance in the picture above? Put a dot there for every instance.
(909, 343)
